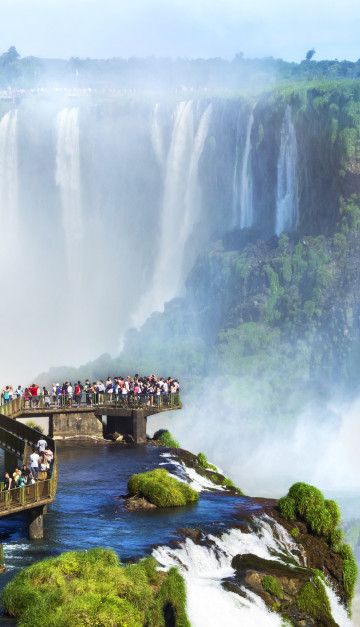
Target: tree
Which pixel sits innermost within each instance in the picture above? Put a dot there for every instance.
(310, 54)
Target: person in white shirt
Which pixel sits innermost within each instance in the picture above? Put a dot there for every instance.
(34, 463)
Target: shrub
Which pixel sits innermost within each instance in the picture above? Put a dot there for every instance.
(336, 540)
(202, 459)
(271, 585)
(100, 591)
(312, 599)
(294, 532)
(349, 571)
(322, 517)
(164, 437)
(287, 507)
(34, 425)
(307, 502)
(161, 489)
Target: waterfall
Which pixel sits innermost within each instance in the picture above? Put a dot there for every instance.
(204, 567)
(67, 177)
(157, 137)
(181, 207)
(287, 202)
(243, 193)
(9, 182)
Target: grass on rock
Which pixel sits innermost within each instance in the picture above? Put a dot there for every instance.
(84, 588)
(161, 489)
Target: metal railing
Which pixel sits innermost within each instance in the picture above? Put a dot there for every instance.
(24, 496)
(91, 399)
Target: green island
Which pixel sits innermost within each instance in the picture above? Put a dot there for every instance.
(93, 588)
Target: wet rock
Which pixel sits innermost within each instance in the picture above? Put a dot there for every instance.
(137, 502)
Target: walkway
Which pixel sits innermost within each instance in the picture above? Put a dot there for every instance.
(17, 440)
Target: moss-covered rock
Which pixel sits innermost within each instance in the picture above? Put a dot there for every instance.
(163, 437)
(161, 488)
(307, 503)
(92, 588)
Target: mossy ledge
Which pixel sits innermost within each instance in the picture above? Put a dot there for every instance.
(307, 504)
(160, 488)
(198, 462)
(92, 587)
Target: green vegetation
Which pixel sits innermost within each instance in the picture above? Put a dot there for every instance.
(202, 459)
(307, 502)
(322, 516)
(271, 585)
(313, 600)
(92, 588)
(161, 489)
(294, 532)
(34, 425)
(349, 571)
(164, 437)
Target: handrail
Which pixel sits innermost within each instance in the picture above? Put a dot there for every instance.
(35, 493)
(91, 399)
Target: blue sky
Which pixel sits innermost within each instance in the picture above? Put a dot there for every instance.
(182, 28)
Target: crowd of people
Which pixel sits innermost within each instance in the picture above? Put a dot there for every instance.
(97, 392)
(39, 467)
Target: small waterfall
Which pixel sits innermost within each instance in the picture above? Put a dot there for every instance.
(204, 568)
(242, 190)
(287, 202)
(246, 201)
(181, 207)
(67, 177)
(157, 137)
(9, 181)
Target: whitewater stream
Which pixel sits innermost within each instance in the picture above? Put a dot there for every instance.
(89, 512)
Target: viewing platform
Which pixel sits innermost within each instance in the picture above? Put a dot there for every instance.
(17, 441)
(99, 416)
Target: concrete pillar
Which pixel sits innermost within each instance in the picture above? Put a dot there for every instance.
(36, 523)
(139, 425)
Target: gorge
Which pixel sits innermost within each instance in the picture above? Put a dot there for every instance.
(224, 229)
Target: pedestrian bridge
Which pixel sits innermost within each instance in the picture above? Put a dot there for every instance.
(98, 415)
(17, 441)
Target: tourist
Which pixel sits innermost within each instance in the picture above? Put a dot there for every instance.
(46, 397)
(33, 389)
(19, 391)
(7, 482)
(50, 461)
(69, 391)
(101, 390)
(16, 477)
(27, 398)
(41, 445)
(42, 474)
(25, 473)
(78, 393)
(34, 463)
(6, 395)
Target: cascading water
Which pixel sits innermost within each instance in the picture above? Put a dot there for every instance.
(205, 566)
(242, 190)
(67, 177)
(157, 136)
(9, 184)
(180, 207)
(287, 202)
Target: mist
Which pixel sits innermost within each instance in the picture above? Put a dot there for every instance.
(265, 458)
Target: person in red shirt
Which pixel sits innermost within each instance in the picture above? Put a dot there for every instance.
(33, 389)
